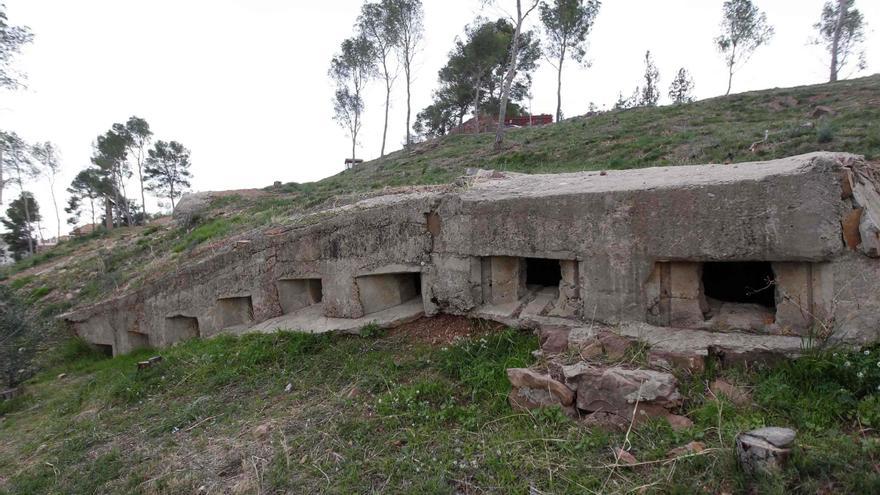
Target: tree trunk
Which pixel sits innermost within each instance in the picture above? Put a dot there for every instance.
(2, 182)
(729, 80)
(92, 206)
(477, 106)
(842, 7)
(387, 106)
(172, 197)
(406, 69)
(508, 79)
(559, 84)
(27, 212)
(55, 204)
(108, 213)
(141, 179)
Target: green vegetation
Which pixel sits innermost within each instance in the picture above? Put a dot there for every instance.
(299, 413)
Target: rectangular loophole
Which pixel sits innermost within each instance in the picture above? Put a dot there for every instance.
(296, 294)
(180, 328)
(105, 349)
(751, 282)
(380, 292)
(543, 272)
(234, 311)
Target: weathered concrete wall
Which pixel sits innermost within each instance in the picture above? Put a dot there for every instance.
(631, 245)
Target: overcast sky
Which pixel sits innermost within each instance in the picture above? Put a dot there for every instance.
(243, 83)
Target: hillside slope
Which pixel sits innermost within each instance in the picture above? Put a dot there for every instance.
(424, 408)
(843, 116)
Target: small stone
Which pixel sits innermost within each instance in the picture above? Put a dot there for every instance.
(614, 346)
(62, 376)
(691, 448)
(735, 394)
(262, 431)
(764, 450)
(679, 423)
(624, 457)
(526, 378)
(288, 388)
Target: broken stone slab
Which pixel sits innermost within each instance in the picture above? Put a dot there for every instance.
(149, 363)
(764, 450)
(533, 390)
(617, 389)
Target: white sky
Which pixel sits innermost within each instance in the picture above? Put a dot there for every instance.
(243, 83)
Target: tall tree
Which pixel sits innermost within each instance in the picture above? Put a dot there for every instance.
(50, 164)
(518, 20)
(351, 69)
(87, 185)
(744, 29)
(567, 24)
(19, 222)
(681, 89)
(137, 135)
(474, 75)
(18, 338)
(111, 156)
(12, 38)
(409, 19)
(842, 32)
(167, 169)
(651, 91)
(378, 23)
(18, 160)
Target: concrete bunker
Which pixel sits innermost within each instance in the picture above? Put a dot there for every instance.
(549, 286)
(383, 291)
(299, 293)
(179, 328)
(234, 311)
(735, 295)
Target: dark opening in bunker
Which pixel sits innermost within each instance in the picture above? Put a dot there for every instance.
(383, 291)
(749, 282)
(105, 349)
(543, 272)
(296, 294)
(181, 328)
(234, 311)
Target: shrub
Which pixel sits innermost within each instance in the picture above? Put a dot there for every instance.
(824, 132)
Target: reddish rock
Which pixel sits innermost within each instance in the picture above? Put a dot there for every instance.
(691, 448)
(624, 457)
(850, 225)
(617, 389)
(678, 422)
(554, 339)
(735, 394)
(526, 378)
(614, 346)
(677, 360)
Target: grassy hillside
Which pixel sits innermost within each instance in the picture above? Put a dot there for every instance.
(402, 414)
(715, 130)
(415, 411)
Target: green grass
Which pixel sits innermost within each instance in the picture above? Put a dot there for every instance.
(214, 229)
(384, 414)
